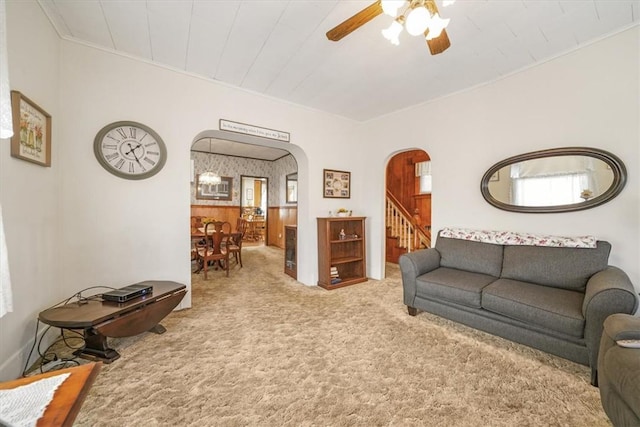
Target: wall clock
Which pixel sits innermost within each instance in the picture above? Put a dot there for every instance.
(130, 150)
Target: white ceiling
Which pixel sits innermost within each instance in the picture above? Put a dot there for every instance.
(279, 48)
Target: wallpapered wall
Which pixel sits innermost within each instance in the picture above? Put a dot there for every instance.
(276, 171)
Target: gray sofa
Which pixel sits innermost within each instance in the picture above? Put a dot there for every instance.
(555, 299)
(619, 369)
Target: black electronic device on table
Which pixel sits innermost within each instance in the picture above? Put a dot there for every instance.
(127, 293)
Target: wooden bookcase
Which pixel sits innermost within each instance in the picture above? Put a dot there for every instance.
(290, 250)
(347, 255)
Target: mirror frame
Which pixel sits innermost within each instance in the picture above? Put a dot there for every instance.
(617, 167)
(290, 178)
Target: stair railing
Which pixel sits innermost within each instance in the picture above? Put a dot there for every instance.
(403, 226)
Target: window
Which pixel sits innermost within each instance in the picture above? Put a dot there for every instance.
(551, 190)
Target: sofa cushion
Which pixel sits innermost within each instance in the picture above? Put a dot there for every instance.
(477, 257)
(550, 308)
(566, 268)
(462, 287)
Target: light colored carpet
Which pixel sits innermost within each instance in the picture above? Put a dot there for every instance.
(260, 349)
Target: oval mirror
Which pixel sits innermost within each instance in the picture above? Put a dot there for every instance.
(555, 180)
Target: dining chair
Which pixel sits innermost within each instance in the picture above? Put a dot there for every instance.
(241, 225)
(234, 246)
(196, 222)
(260, 227)
(215, 246)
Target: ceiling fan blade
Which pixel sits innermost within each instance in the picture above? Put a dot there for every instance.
(355, 22)
(439, 44)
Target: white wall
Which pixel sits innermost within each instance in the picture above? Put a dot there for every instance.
(30, 193)
(586, 98)
(139, 229)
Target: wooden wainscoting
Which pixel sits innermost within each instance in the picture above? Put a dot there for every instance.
(277, 218)
(219, 213)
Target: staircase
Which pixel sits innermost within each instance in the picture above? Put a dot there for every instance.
(403, 232)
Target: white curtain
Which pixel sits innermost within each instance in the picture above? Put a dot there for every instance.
(6, 299)
(6, 131)
(560, 165)
(6, 123)
(423, 171)
(552, 181)
(423, 168)
(549, 190)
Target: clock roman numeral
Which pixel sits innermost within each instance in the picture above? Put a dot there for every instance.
(120, 164)
(148, 160)
(131, 167)
(155, 153)
(150, 144)
(132, 132)
(112, 156)
(109, 136)
(122, 133)
(145, 135)
(110, 146)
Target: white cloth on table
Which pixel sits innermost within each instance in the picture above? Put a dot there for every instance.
(23, 406)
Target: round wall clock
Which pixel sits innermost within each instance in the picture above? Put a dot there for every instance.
(130, 150)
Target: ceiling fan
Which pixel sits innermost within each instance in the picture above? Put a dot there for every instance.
(419, 17)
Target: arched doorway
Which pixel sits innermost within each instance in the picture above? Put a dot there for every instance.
(408, 203)
(276, 173)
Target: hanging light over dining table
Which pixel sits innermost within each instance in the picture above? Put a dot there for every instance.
(210, 178)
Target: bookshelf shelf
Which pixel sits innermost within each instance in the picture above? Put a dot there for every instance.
(341, 262)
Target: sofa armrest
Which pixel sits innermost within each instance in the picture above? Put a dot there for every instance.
(622, 327)
(608, 292)
(415, 264)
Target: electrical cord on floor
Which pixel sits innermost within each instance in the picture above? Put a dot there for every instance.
(46, 358)
(35, 339)
(59, 360)
(50, 360)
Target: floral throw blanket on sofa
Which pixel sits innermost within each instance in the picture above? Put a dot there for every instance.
(514, 238)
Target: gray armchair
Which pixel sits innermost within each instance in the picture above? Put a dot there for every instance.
(619, 370)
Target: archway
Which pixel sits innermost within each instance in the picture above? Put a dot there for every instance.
(408, 203)
(305, 269)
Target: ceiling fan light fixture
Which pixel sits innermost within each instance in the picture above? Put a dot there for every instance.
(446, 3)
(418, 20)
(390, 7)
(436, 25)
(393, 32)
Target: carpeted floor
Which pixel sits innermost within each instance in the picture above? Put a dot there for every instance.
(260, 349)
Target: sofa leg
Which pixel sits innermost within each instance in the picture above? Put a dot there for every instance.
(594, 377)
(412, 311)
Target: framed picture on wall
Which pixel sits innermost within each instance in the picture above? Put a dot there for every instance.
(292, 187)
(221, 191)
(31, 140)
(336, 184)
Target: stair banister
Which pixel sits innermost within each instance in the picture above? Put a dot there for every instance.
(404, 226)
